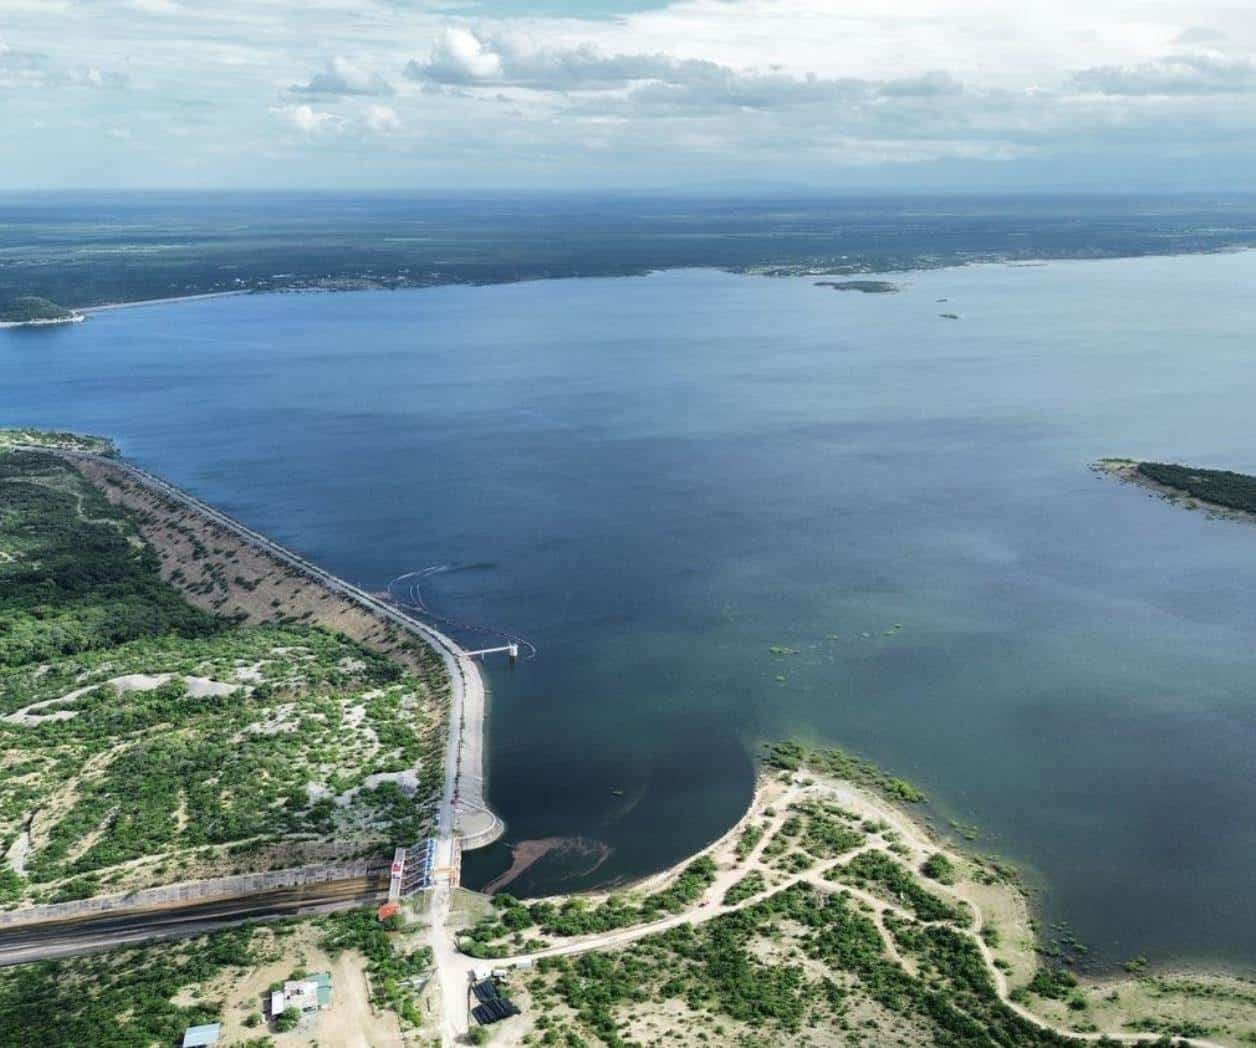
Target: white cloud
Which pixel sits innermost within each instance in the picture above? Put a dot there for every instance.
(90, 76)
(723, 88)
(307, 119)
(1199, 34)
(21, 68)
(462, 57)
(1202, 73)
(341, 76)
(458, 57)
(34, 69)
(790, 88)
(381, 119)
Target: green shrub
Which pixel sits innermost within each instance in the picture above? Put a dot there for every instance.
(939, 868)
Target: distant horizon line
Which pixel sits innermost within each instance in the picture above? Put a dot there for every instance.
(680, 194)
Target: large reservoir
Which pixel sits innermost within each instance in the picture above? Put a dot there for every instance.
(728, 509)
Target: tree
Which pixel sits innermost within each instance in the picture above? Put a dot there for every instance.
(288, 1019)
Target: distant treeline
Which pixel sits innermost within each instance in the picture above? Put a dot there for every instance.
(1218, 486)
(86, 249)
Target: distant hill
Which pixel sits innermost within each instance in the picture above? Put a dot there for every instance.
(30, 308)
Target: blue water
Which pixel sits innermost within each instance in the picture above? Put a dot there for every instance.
(656, 479)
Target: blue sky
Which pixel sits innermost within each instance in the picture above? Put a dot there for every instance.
(682, 95)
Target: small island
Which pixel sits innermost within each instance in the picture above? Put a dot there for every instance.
(1219, 491)
(868, 287)
(29, 310)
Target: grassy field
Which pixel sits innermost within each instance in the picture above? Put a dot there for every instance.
(145, 740)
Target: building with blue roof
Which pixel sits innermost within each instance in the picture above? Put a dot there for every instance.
(201, 1036)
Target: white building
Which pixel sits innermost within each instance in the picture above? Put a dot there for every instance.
(307, 995)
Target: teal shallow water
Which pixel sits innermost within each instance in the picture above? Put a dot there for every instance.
(657, 479)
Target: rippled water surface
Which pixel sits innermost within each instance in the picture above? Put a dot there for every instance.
(657, 479)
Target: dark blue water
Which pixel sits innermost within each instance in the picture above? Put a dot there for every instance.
(656, 479)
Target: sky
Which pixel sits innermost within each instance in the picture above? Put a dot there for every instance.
(687, 95)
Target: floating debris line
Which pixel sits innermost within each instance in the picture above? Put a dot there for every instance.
(407, 591)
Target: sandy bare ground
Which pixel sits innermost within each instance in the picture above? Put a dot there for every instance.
(351, 1021)
(162, 301)
(35, 714)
